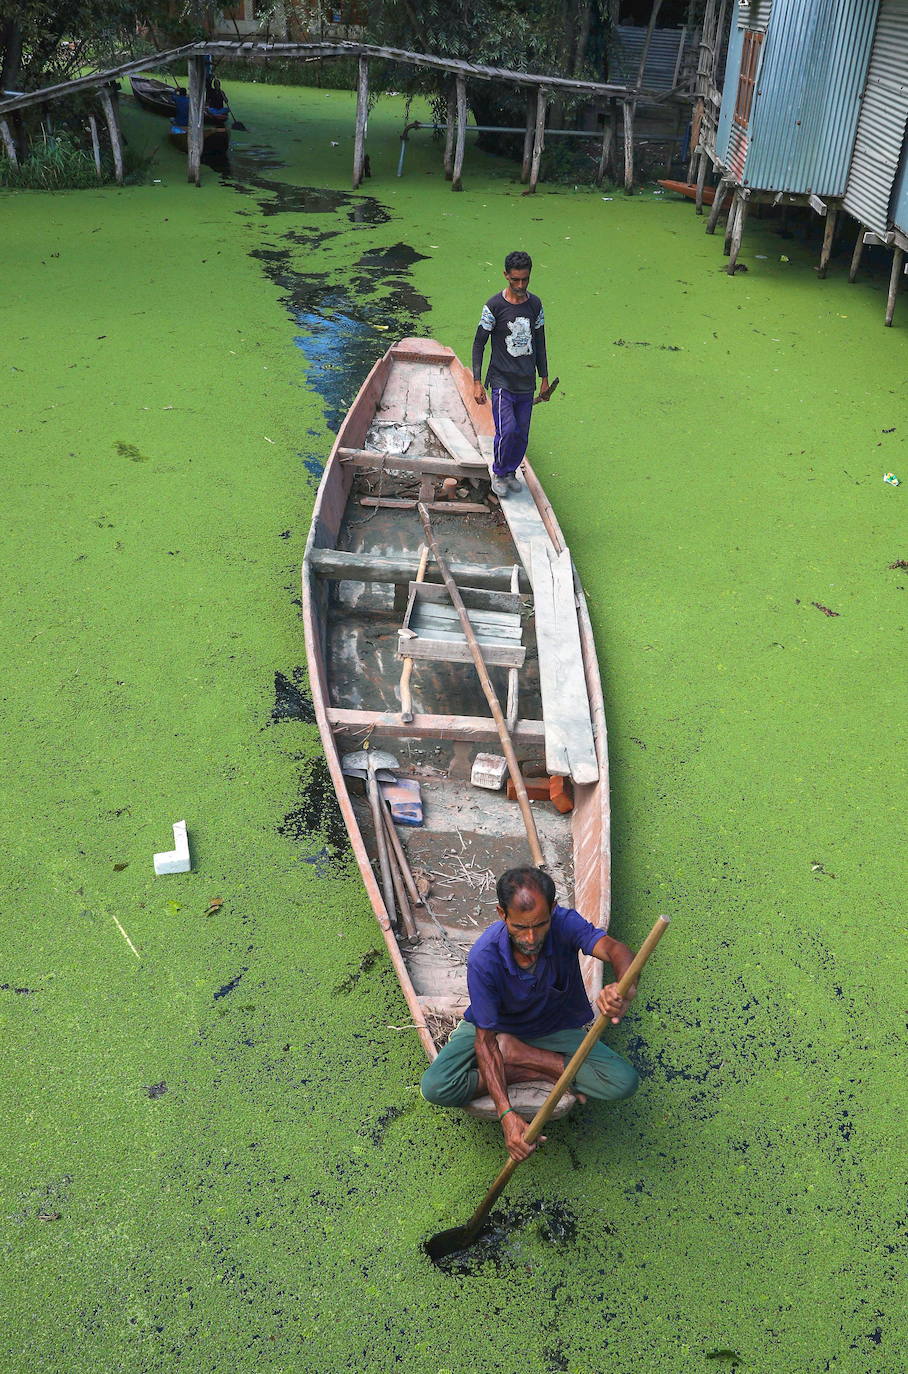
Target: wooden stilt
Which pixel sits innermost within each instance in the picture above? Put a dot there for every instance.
(95, 144)
(607, 157)
(895, 277)
(111, 114)
(730, 223)
(719, 200)
(629, 109)
(702, 163)
(528, 139)
(737, 231)
(856, 255)
(832, 214)
(449, 133)
(195, 136)
(9, 145)
(542, 99)
(457, 183)
(362, 115)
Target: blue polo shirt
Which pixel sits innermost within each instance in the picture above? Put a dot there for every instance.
(532, 1002)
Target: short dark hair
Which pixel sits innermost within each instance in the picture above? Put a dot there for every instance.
(519, 260)
(520, 880)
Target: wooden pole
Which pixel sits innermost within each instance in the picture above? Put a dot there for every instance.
(629, 108)
(449, 132)
(457, 1238)
(397, 878)
(195, 133)
(538, 139)
(606, 156)
(730, 222)
(9, 146)
(856, 255)
(832, 214)
(95, 144)
(528, 139)
(737, 232)
(403, 864)
(362, 116)
(719, 200)
(491, 697)
(895, 277)
(109, 106)
(456, 183)
(406, 700)
(701, 179)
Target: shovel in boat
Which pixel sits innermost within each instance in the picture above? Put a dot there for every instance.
(376, 765)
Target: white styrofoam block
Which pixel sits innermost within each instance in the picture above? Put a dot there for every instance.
(177, 860)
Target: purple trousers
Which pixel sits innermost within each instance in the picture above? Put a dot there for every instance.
(512, 412)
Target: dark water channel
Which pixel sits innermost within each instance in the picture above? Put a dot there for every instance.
(346, 316)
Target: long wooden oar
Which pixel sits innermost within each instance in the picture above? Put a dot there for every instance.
(459, 1237)
(491, 696)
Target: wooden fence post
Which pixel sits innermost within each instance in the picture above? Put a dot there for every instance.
(9, 145)
(362, 116)
(528, 139)
(195, 131)
(109, 106)
(718, 201)
(701, 179)
(456, 183)
(895, 277)
(606, 157)
(95, 143)
(736, 222)
(538, 139)
(449, 133)
(629, 109)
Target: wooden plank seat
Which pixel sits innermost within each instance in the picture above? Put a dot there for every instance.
(341, 565)
(432, 627)
(570, 750)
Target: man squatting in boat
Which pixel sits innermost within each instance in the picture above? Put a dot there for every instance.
(528, 1007)
(515, 322)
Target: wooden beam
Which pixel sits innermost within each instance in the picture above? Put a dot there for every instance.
(461, 138)
(528, 139)
(895, 277)
(342, 565)
(718, 201)
(832, 214)
(473, 729)
(444, 507)
(629, 109)
(64, 89)
(392, 462)
(702, 162)
(606, 156)
(362, 117)
(95, 143)
(9, 145)
(449, 132)
(195, 133)
(538, 139)
(737, 231)
(454, 440)
(109, 102)
(856, 255)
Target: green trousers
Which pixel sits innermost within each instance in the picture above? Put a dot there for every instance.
(452, 1080)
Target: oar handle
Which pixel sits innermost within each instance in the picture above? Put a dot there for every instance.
(625, 983)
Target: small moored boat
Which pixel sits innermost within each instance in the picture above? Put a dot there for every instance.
(161, 99)
(390, 667)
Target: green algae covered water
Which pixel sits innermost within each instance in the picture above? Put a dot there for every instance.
(216, 1156)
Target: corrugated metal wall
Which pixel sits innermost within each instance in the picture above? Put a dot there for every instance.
(807, 102)
(898, 209)
(661, 59)
(729, 92)
(881, 125)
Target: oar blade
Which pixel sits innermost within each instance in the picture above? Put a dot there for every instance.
(447, 1243)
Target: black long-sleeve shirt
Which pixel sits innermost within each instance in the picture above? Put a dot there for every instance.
(518, 343)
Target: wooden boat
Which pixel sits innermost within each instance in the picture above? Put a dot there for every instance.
(213, 140)
(160, 98)
(413, 426)
(689, 189)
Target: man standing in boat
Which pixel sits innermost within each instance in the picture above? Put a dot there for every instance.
(515, 322)
(529, 1009)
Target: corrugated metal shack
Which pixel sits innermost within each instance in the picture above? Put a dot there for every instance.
(876, 194)
(790, 106)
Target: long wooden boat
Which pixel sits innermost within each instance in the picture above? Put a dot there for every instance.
(689, 189)
(414, 431)
(160, 98)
